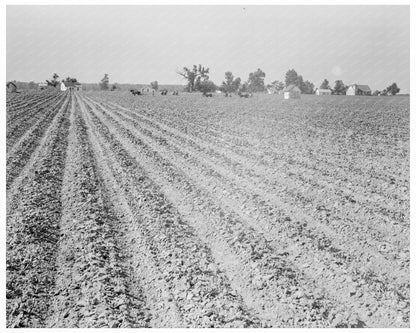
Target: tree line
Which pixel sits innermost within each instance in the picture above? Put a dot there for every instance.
(54, 82)
(197, 77)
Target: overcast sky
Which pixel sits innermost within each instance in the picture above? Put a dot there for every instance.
(139, 44)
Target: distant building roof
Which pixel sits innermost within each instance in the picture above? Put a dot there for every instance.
(363, 87)
(10, 83)
(42, 84)
(291, 87)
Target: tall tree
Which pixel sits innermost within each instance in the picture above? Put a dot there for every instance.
(324, 84)
(256, 81)
(230, 84)
(236, 84)
(194, 76)
(226, 85)
(300, 84)
(339, 88)
(308, 87)
(104, 82)
(291, 77)
(393, 89)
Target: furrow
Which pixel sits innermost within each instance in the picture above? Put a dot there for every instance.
(91, 288)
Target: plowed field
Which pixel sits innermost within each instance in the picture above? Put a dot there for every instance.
(183, 211)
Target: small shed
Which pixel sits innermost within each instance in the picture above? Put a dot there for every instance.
(291, 92)
(359, 89)
(63, 86)
(322, 92)
(11, 87)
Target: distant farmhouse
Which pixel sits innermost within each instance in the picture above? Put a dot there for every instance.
(42, 85)
(321, 92)
(291, 91)
(11, 87)
(358, 89)
(70, 85)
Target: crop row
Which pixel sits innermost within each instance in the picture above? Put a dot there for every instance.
(22, 151)
(29, 118)
(171, 251)
(34, 211)
(24, 98)
(22, 112)
(90, 289)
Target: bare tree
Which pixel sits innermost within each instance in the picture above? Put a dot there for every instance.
(194, 76)
(54, 82)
